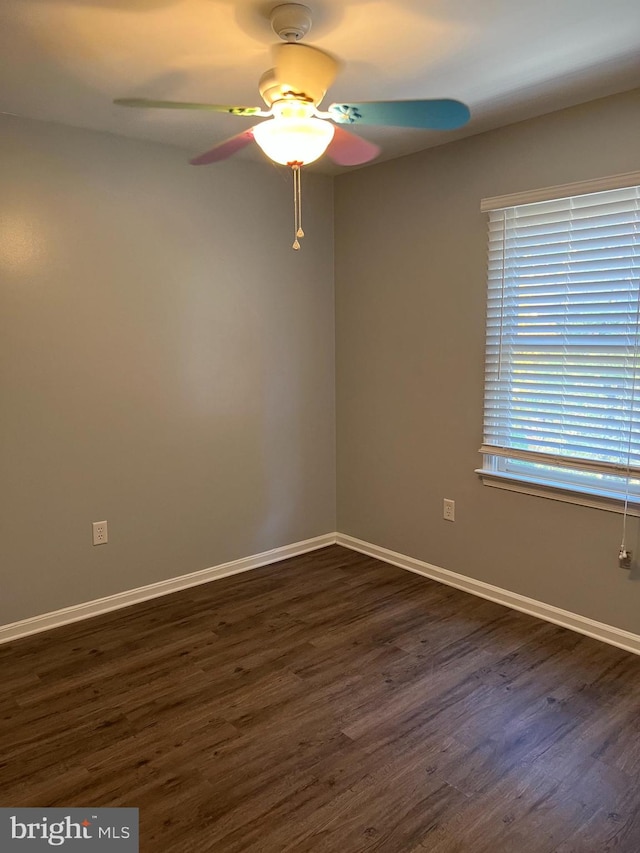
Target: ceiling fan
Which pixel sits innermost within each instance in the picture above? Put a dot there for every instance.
(297, 132)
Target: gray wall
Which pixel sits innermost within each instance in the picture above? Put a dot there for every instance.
(410, 284)
(166, 363)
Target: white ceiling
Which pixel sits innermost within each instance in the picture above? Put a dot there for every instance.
(64, 60)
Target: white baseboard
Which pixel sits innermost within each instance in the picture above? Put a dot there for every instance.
(598, 630)
(78, 612)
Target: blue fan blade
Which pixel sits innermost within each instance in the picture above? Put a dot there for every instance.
(431, 115)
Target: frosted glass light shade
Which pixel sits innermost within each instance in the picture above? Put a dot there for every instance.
(294, 140)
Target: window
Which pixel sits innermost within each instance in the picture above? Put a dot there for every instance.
(562, 387)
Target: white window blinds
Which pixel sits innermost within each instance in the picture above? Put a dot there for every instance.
(562, 388)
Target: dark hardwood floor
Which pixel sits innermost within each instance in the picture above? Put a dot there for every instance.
(333, 704)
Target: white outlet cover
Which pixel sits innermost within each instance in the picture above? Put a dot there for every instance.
(100, 532)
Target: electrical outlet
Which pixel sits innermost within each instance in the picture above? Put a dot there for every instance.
(100, 533)
(449, 510)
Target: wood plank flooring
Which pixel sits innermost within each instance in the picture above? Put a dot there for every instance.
(333, 704)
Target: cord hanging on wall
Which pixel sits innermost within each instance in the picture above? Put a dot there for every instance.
(625, 555)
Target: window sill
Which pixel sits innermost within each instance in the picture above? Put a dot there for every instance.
(608, 501)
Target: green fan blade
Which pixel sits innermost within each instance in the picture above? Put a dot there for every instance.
(183, 105)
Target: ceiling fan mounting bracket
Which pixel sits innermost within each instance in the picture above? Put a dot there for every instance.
(291, 21)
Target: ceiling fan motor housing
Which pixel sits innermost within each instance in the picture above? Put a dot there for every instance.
(301, 72)
(274, 89)
(291, 21)
(270, 88)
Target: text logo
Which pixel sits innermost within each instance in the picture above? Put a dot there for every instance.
(79, 830)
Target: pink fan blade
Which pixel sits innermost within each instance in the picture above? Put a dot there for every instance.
(347, 149)
(224, 149)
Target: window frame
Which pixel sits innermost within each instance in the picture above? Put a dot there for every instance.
(604, 490)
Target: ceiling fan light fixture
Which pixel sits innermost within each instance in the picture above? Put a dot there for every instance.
(294, 140)
(299, 133)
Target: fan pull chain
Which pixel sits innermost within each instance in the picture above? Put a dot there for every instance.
(297, 204)
(299, 232)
